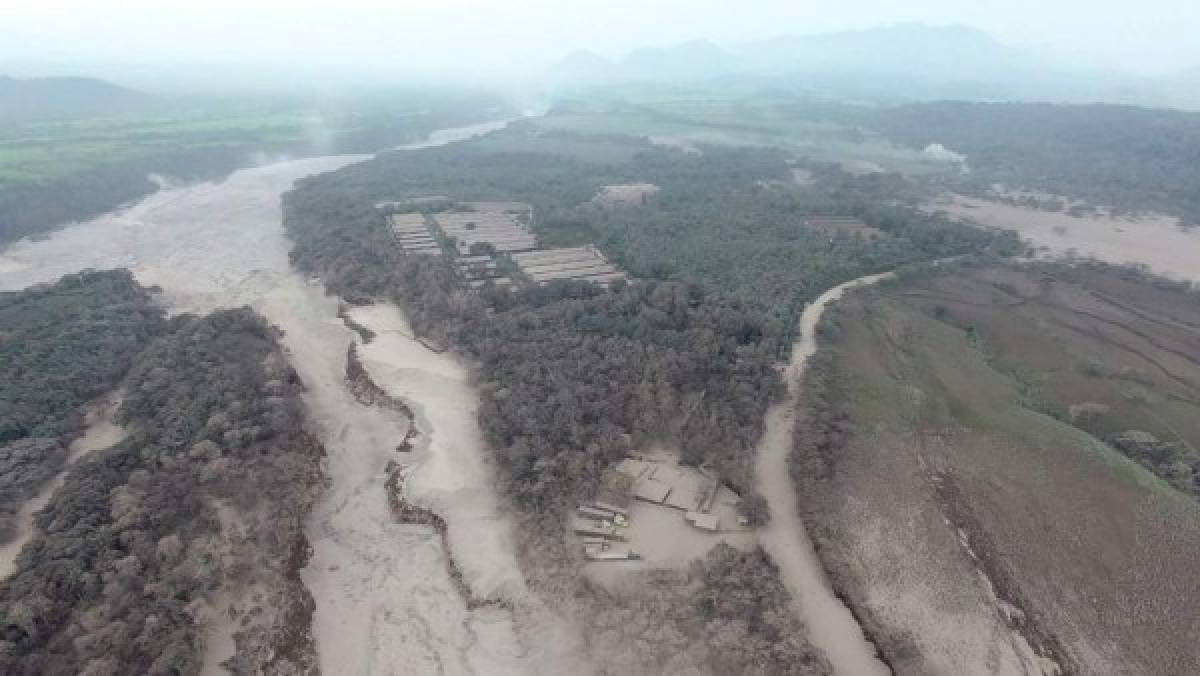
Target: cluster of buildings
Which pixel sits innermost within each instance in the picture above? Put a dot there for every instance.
(601, 526)
(584, 263)
(487, 223)
(413, 234)
(479, 231)
(687, 489)
(480, 270)
(626, 195)
(666, 510)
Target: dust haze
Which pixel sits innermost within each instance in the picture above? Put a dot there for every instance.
(682, 338)
(324, 43)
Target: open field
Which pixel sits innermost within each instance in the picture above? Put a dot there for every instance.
(662, 499)
(955, 470)
(55, 172)
(46, 151)
(1154, 240)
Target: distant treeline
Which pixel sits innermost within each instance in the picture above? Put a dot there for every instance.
(1132, 158)
(37, 99)
(61, 346)
(207, 494)
(28, 208)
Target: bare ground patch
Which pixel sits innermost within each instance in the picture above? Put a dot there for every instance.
(1153, 240)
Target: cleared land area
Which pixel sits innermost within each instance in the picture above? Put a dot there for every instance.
(957, 456)
(1153, 240)
(629, 194)
(684, 118)
(655, 513)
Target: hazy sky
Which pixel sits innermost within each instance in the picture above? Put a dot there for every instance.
(490, 36)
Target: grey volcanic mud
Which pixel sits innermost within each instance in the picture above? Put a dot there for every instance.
(384, 600)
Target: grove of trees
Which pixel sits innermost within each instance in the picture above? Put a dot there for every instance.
(208, 493)
(61, 345)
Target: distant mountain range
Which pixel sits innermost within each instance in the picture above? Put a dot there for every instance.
(897, 63)
(24, 100)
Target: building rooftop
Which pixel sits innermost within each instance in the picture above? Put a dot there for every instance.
(651, 490)
(709, 522)
(633, 467)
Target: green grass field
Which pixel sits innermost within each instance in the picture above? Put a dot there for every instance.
(46, 151)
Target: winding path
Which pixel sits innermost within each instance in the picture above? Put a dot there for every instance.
(831, 626)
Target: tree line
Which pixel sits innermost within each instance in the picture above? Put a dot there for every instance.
(1132, 158)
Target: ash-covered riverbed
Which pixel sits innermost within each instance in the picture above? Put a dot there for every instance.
(385, 602)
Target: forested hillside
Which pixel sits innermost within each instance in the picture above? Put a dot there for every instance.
(1122, 156)
(206, 497)
(61, 346)
(25, 99)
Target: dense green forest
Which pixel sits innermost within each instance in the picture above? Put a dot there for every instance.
(684, 356)
(61, 346)
(1122, 156)
(209, 491)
